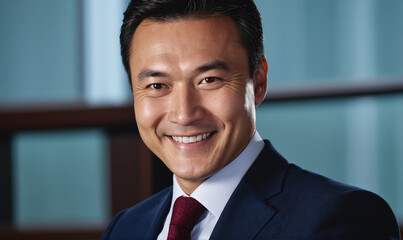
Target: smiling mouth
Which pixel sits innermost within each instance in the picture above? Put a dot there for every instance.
(191, 139)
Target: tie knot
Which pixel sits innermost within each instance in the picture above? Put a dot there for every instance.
(185, 214)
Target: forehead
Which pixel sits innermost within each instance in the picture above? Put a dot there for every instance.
(187, 39)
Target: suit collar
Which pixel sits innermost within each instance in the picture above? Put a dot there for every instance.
(248, 207)
(265, 177)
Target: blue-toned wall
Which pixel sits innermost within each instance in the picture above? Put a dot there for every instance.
(40, 53)
(61, 177)
(318, 136)
(357, 141)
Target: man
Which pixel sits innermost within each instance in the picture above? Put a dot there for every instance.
(197, 72)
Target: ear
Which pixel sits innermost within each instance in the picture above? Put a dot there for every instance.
(260, 81)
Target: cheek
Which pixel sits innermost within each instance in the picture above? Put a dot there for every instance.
(148, 115)
(231, 105)
(147, 112)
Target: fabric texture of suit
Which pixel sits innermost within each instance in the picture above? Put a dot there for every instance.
(275, 200)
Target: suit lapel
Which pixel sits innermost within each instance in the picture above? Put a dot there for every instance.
(243, 217)
(248, 211)
(156, 217)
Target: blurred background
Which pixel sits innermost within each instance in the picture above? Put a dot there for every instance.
(335, 106)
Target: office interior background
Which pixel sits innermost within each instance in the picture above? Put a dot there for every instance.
(63, 52)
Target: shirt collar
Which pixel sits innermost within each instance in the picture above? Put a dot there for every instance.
(215, 192)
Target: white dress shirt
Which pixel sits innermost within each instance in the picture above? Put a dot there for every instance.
(215, 192)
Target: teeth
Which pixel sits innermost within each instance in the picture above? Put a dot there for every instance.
(191, 139)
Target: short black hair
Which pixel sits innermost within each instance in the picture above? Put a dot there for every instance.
(243, 12)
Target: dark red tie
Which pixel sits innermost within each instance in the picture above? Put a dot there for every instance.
(185, 214)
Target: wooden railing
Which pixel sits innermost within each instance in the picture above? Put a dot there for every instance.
(133, 168)
(131, 163)
(60, 233)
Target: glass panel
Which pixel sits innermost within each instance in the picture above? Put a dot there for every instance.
(319, 41)
(357, 141)
(40, 53)
(60, 177)
(104, 77)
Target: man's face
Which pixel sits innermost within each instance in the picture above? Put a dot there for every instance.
(194, 100)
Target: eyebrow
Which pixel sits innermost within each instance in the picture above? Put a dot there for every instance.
(217, 64)
(150, 73)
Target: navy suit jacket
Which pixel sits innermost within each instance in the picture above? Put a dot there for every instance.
(275, 200)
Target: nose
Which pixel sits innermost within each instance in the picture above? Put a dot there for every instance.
(185, 106)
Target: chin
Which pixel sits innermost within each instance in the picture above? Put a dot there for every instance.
(190, 175)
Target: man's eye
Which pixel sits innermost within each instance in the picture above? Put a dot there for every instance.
(209, 80)
(156, 86)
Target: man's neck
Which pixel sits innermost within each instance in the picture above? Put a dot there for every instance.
(189, 186)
